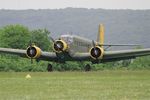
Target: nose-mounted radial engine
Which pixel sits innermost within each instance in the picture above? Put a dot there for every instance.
(59, 46)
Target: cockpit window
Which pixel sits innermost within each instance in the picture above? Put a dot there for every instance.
(67, 38)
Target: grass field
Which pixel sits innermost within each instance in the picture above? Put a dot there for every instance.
(101, 85)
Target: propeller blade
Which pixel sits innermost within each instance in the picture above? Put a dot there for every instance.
(93, 43)
(94, 46)
(30, 46)
(31, 52)
(51, 38)
(31, 60)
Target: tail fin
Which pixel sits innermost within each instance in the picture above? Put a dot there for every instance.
(100, 37)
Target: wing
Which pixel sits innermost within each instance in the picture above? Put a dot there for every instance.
(48, 56)
(107, 57)
(114, 55)
(124, 54)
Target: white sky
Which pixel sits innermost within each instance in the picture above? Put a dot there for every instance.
(55, 4)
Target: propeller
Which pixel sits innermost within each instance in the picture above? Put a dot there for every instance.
(31, 52)
(94, 45)
(57, 44)
(95, 49)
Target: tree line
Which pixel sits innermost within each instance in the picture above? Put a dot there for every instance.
(19, 37)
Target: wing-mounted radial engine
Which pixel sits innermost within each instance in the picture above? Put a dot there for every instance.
(33, 52)
(96, 52)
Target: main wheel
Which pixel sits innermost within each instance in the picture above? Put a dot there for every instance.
(87, 67)
(49, 68)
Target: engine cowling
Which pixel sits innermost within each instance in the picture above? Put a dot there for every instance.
(33, 52)
(59, 46)
(97, 52)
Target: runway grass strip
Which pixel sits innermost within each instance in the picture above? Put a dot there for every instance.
(101, 85)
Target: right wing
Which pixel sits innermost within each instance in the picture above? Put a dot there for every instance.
(48, 56)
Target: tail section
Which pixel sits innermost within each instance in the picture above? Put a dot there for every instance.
(100, 37)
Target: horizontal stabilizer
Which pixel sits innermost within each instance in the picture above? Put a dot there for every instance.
(119, 45)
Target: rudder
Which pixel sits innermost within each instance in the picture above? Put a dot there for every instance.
(100, 37)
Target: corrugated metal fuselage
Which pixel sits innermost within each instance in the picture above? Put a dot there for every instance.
(77, 44)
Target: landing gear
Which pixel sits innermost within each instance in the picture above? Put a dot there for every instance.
(87, 67)
(49, 68)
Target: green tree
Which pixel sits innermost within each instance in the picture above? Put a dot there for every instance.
(40, 38)
(18, 36)
(14, 36)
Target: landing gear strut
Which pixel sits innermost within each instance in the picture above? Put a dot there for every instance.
(87, 67)
(49, 68)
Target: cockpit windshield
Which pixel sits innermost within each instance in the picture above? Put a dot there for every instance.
(67, 38)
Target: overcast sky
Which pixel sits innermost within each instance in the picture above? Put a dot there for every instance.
(56, 4)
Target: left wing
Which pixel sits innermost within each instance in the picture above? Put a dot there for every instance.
(49, 56)
(109, 56)
(124, 54)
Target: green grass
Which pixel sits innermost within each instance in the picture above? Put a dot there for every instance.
(101, 85)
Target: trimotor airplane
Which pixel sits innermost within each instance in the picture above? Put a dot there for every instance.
(75, 48)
